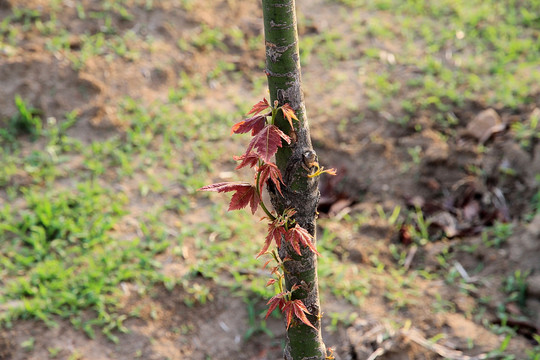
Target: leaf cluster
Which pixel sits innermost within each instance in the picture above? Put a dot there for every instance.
(266, 139)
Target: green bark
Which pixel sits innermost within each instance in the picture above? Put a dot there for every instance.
(300, 192)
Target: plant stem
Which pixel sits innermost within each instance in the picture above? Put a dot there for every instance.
(300, 192)
(261, 202)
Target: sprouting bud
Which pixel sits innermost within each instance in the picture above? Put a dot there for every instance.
(310, 159)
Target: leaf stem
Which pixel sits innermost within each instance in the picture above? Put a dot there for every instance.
(261, 202)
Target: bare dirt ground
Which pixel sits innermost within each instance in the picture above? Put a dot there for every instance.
(461, 189)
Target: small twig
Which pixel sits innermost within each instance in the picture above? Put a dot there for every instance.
(414, 335)
(461, 270)
(410, 257)
(376, 354)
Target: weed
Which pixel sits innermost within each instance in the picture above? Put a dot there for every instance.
(441, 305)
(497, 234)
(393, 218)
(28, 344)
(53, 352)
(256, 322)
(515, 286)
(414, 153)
(534, 354)
(338, 319)
(206, 39)
(500, 351)
(418, 227)
(527, 133)
(75, 355)
(26, 121)
(535, 205)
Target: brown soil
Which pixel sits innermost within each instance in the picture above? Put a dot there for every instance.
(374, 160)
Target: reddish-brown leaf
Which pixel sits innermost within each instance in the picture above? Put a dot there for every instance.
(288, 310)
(289, 114)
(300, 311)
(247, 160)
(275, 270)
(298, 235)
(243, 197)
(225, 186)
(244, 194)
(253, 124)
(270, 170)
(266, 245)
(296, 246)
(275, 231)
(260, 106)
(275, 301)
(270, 282)
(266, 142)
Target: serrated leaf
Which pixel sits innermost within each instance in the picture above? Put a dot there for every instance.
(275, 231)
(298, 235)
(288, 310)
(289, 114)
(272, 307)
(250, 160)
(266, 142)
(260, 106)
(275, 301)
(244, 194)
(224, 186)
(243, 197)
(253, 124)
(300, 311)
(270, 170)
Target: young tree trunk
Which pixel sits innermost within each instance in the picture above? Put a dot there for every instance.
(294, 161)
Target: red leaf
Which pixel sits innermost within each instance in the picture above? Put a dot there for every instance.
(288, 112)
(300, 311)
(275, 231)
(244, 194)
(267, 141)
(255, 124)
(296, 246)
(299, 235)
(275, 301)
(260, 106)
(275, 270)
(247, 160)
(270, 170)
(224, 187)
(270, 282)
(288, 310)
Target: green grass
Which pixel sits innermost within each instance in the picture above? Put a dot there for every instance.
(60, 256)
(453, 51)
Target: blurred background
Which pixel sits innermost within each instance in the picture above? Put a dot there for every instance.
(113, 113)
